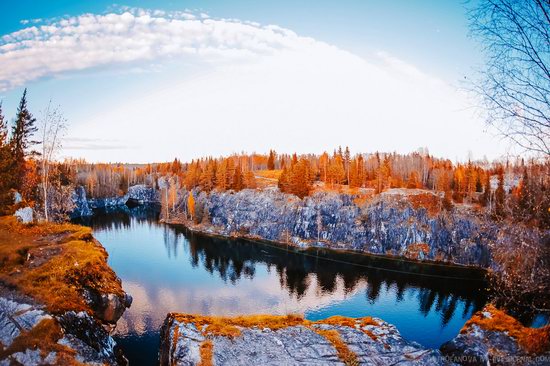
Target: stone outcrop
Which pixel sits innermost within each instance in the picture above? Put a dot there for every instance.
(492, 337)
(388, 224)
(107, 307)
(25, 215)
(287, 340)
(82, 338)
(82, 208)
(59, 299)
(136, 195)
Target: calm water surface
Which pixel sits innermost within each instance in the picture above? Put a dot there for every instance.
(168, 269)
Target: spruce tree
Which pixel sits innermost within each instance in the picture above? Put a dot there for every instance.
(6, 167)
(500, 195)
(238, 179)
(271, 160)
(21, 140)
(486, 196)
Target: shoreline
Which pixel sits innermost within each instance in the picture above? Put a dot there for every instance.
(473, 273)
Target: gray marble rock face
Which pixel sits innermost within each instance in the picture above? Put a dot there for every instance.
(138, 194)
(478, 346)
(83, 334)
(25, 215)
(385, 225)
(293, 345)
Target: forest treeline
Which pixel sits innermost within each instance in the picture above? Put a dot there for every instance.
(517, 189)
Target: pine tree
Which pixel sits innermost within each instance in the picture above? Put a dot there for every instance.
(347, 161)
(300, 179)
(250, 180)
(486, 196)
(271, 160)
(284, 181)
(525, 203)
(500, 195)
(6, 167)
(21, 142)
(238, 179)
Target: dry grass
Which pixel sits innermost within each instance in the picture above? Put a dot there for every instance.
(53, 263)
(43, 336)
(212, 326)
(268, 174)
(229, 326)
(206, 352)
(344, 353)
(349, 322)
(531, 340)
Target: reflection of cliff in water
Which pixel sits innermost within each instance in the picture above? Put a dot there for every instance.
(233, 259)
(113, 218)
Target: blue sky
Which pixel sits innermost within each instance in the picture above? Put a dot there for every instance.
(429, 33)
(377, 68)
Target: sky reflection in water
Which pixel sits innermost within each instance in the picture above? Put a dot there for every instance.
(167, 269)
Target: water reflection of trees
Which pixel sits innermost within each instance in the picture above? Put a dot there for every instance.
(233, 259)
(120, 217)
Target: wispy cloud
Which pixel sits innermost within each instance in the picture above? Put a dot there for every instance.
(90, 40)
(269, 87)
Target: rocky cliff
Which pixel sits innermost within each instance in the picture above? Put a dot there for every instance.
(398, 223)
(136, 195)
(58, 297)
(491, 337)
(287, 340)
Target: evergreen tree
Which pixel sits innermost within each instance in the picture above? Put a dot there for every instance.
(486, 196)
(347, 161)
(284, 181)
(500, 195)
(21, 140)
(238, 179)
(271, 160)
(250, 180)
(300, 179)
(525, 203)
(6, 167)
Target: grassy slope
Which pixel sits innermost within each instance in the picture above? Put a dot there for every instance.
(52, 264)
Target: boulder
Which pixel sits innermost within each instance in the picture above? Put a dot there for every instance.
(25, 215)
(86, 341)
(287, 340)
(491, 337)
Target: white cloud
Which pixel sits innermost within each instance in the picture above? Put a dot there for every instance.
(90, 40)
(267, 87)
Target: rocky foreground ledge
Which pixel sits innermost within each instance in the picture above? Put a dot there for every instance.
(58, 297)
(287, 340)
(490, 338)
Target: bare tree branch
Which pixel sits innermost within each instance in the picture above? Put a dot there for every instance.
(515, 83)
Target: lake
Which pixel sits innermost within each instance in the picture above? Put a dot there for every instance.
(169, 269)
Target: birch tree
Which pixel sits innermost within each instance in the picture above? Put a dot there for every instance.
(515, 83)
(53, 125)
